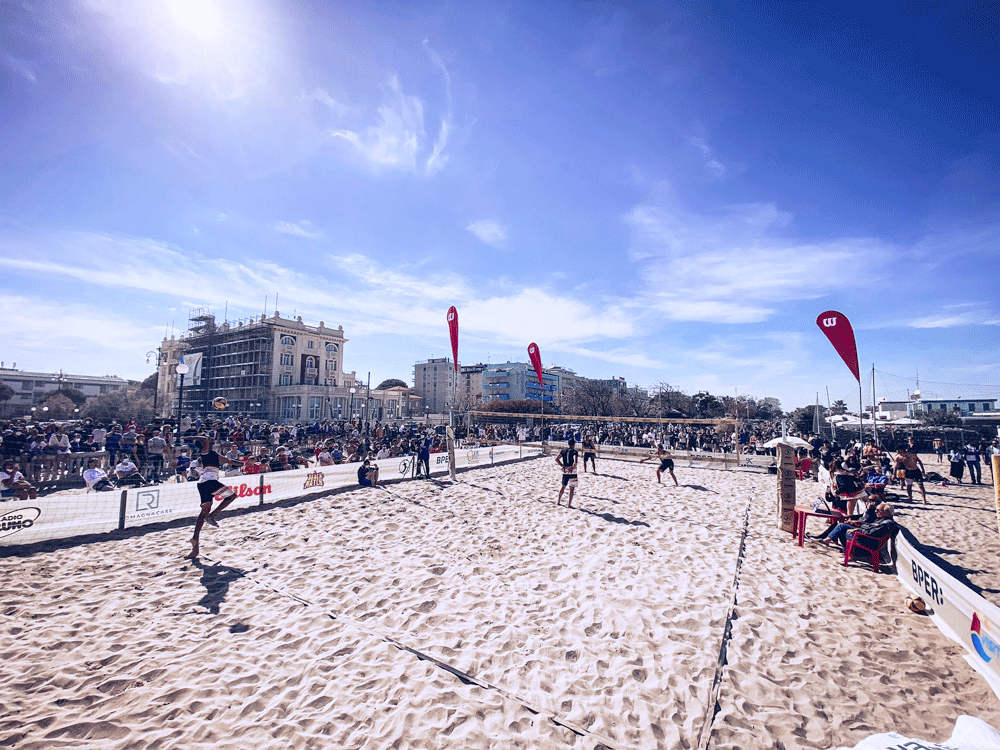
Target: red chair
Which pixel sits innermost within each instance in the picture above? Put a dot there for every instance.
(874, 546)
(804, 468)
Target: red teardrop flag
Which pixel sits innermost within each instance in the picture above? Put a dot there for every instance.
(536, 362)
(453, 332)
(837, 328)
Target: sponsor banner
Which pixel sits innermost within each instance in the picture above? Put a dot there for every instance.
(193, 376)
(79, 513)
(958, 611)
(59, 516)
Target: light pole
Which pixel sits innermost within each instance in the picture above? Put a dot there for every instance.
(350, 408)
(182, 370)
(156, 388)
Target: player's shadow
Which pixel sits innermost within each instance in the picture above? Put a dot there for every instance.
(700, 488)
(612, 476)
(216, 579)
(614, 518)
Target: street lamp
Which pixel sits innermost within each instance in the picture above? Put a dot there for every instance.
(350, 409)
(156, 388)
(182, 370)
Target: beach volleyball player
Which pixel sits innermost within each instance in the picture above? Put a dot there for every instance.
(210, 489)
(666, 463)
(566, 460)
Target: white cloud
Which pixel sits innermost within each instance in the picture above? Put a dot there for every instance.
(398, 138)
(953, 320)
(712, 164)
(20, 67)
(324, 98)
(490, 232)
(302, 229)
(735, 267)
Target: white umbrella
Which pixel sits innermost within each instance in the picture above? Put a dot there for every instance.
(791, 440)
(905, 420)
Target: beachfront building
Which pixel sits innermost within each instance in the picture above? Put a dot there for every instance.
(31, 388)
(435, 382)
(911, 409)
(270, 368)
(469, 392)
(515, 381)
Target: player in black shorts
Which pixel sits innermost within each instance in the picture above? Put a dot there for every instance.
(210, 489)
(589, 454)
(566, 460)
(666, 463)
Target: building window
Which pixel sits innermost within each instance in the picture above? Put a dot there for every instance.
(332, 348)
(285, 379)
(986, 407)
(310, 380)
(310, 344)
(27, 385)
(315, 407)
(286, 359)
(288, 340)
(972, 407)
(311, 363)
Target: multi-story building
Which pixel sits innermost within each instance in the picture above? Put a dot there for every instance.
(568, 383)
(964, 406)
(31, 387)
(270, 368)
(435, 381)
(469, 392)
(515, 381)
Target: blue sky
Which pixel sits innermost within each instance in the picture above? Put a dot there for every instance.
(669, 193)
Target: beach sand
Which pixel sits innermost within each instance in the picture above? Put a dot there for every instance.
(481, 615)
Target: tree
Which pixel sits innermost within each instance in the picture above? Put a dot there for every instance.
(391, 383)
(59, 406)
(522, 406)
(707, 406)
(668, 401)
(151, 383)
(6, 393)
(802, 419)
(74, 395)
(940, 418)
(630, 403)
(591, 399)
(121, 405)
(838, 407)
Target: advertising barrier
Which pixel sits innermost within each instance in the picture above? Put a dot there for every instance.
(958, 611)
(81, 513)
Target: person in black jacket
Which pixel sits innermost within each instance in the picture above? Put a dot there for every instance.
(883, 526)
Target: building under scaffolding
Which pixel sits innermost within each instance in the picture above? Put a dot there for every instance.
(268, 368)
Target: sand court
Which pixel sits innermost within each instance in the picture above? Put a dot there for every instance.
(474, 614)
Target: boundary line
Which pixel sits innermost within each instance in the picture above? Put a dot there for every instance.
(713, 696)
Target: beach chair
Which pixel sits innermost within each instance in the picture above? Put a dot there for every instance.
(804, 470)
(874, 547)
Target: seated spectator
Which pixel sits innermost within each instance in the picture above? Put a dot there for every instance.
(97, 479)
(14, 485)
(127, 472)
(368, 474)
(338, 455)
(324, 457)
(882, 527)
(875, 482)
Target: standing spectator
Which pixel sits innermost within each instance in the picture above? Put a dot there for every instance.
(957, 460)
(99, 434)
(972, 461)
(154, 450)
(113, 443)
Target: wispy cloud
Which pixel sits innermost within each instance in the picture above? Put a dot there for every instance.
(304, 229)
(953, 319)
(398, 138)
(488, 231)
(715, 167)
(21, 67)
(322, 97)
(735, 267)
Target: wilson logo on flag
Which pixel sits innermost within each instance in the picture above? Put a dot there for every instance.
(837, 328)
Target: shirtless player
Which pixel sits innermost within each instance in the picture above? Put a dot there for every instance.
(666, 463)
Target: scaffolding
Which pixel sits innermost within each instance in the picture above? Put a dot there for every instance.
(236, 364)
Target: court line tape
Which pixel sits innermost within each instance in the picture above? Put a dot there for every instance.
(713, 695)
(602, 742)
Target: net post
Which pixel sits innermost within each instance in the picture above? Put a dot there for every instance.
(261, 504)
(121, 510)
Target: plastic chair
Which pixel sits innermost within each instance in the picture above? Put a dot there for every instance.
(873, 546)
(804, 469)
